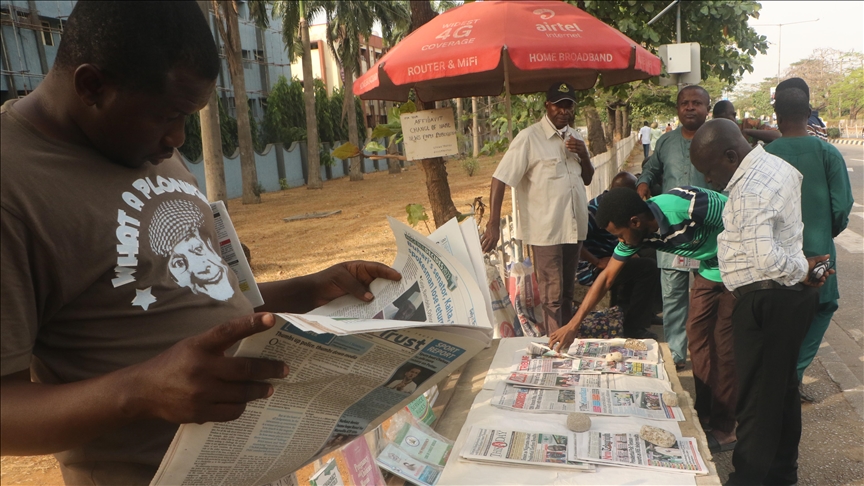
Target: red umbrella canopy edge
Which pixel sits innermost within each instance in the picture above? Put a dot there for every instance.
(462, 52)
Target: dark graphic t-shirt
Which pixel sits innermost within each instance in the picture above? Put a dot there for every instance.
(104, 266)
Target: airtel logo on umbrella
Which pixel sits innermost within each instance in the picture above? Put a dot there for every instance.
(546, 14)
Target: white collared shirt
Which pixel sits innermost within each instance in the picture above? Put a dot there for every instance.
(763, 236)
(551, 201)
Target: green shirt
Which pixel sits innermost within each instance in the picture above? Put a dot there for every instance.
(826, 196)
(689, 219)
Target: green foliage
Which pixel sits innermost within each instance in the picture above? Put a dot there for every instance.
(283, 184)
(285, 117)
(346, 151)
(492, 147)
(471, 166)
(525, 111)
(833, 132)
(719, 26)
(374, 146)
(322, 112)
(324, 156)
(847, 95)
(755, 100)
(416, 214)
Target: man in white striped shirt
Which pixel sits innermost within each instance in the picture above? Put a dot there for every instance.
(762, 262)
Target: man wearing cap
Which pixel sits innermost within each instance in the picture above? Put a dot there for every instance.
(548, 166)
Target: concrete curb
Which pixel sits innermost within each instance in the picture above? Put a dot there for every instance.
(846, 141)
(850, 385)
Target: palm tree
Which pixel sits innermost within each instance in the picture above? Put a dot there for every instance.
(229, 30)
(295, 17)
(348, 23)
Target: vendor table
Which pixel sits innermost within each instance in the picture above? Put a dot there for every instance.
(464, 391)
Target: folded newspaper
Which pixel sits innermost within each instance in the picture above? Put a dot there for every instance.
(622, 449)
(597, 401)
(523, 363)
(519, 448)
(353, 364)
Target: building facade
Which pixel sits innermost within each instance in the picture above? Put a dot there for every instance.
(32, 30)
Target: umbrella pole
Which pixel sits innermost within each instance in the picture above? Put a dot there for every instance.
(507, 95)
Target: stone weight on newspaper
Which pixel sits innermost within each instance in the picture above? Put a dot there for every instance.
(578, 422)
(615, 356)
(670, 399)
(657, 436)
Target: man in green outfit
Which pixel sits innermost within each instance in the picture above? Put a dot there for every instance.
(684, 222)
(826, 200)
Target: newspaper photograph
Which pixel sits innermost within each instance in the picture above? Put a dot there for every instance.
(630, 450)
(595, 401)
(518, 448)
(349, 371)
(524, 363)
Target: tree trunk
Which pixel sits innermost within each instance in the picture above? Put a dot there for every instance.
(625, 121)
(231, 35)
(475, 127)
(313, 157)
(596, 139)
(460, 125)
(211, 142)
(437, 187)
(354, 171)
(619, 120)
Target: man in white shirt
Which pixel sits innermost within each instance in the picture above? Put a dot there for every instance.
(548, 165)
(645, 137)
(762, 263)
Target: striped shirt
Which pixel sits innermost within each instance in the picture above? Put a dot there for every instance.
(599, 243)
(763, 239)
(689, 219)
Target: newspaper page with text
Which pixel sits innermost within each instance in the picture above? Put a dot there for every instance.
(516, 448)
(596, 401)
(523, 363)
(351, 368)
(622, 449)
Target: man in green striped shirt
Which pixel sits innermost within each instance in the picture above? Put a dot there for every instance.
(684, 221)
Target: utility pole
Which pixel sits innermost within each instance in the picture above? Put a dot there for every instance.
(780, 38)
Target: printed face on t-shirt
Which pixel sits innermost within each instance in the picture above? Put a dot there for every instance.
(194, 264)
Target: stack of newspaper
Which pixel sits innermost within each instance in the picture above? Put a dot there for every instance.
(504, 446)
(353, 364)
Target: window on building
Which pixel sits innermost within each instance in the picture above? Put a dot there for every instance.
(232, 108)
(247, 56)
(47, 37)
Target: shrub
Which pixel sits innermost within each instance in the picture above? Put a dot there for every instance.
(470, 165)
(833, 132)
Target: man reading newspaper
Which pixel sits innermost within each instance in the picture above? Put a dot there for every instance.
(115, 298)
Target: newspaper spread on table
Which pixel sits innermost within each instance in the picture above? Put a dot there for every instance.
(524, 363)
(621, 449)
(599, 348)
(596, 401)
(353, 364)
(520, 447)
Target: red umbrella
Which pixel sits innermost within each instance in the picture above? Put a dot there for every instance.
(521, 46)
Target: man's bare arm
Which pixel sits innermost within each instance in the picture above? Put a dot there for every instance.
(489, 239)
(191, 382)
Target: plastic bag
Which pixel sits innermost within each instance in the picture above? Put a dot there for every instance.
(503, 315)
(525, 296)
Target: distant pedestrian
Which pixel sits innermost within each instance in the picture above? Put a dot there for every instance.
(645, 137)
(656, 133)
(762, 263)
(826, 201)
(668, 127)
